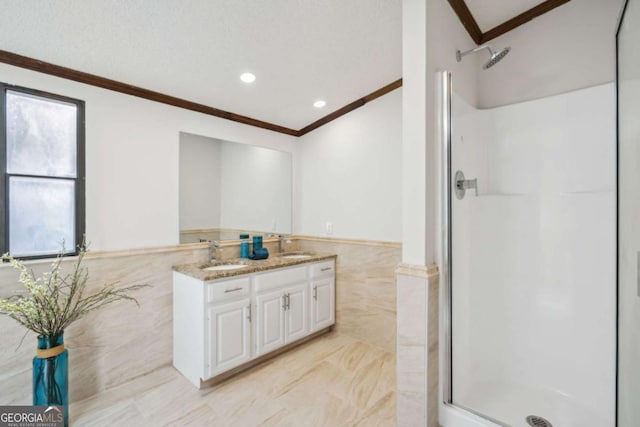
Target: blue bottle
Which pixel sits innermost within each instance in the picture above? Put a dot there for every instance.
(244, 249)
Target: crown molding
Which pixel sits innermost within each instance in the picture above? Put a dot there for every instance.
(351, 106)
(116, 86)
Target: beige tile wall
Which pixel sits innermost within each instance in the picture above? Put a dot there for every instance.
(108, 347)
(417, 355)
(122, 341)
(365, 288)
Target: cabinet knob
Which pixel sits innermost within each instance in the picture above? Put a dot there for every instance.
(315, 292)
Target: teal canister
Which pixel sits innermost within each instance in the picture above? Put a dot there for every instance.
(244, 249)
(257, 242)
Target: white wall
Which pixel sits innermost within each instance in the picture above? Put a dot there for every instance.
(446, 35)
(431, 35)
(348, 172)
(199, 182)
(569, 48)
(132, 159)
(534, 259)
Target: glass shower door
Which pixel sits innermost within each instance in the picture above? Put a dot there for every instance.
(628, 86)
(532, 251)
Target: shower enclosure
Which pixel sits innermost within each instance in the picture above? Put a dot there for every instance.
(529, 260)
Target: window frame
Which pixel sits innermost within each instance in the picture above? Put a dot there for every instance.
(79, 180)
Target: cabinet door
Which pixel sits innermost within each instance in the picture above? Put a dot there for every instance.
(323, 306)
(269, 321)
(229, 335)
(297, 314)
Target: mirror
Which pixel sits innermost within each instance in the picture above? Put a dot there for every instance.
(227, 188)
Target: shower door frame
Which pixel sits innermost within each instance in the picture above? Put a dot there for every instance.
(619, 25)
(445, 246)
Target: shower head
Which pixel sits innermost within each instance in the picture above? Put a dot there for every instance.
(493, 60)
(496, 57)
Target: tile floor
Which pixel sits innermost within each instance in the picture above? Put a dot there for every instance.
(334, 380)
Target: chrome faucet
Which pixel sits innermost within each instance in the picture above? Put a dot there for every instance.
(282, 240)
(212, 247)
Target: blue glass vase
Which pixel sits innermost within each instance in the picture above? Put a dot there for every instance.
(50, 374)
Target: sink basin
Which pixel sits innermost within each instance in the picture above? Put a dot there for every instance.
(225, 267)
(297, 256)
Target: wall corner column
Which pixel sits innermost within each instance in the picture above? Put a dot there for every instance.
(417, 351)
(417, 278)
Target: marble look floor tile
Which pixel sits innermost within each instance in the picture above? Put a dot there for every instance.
(263, 412)
(305, 387)
(327, 410)
(314, 351)
(123, 392)
(200, 416)
(355, 355)
(122, 413)
(164, 402)
(372, 381)
(233, 406)
(335, 380)
(381, 413)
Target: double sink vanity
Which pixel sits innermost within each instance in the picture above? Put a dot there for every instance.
(231, 315)
(235, 313)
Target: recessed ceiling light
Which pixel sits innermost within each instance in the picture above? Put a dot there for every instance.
(247, 77)
(319, 103)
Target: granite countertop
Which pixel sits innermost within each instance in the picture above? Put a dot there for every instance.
(274, 261)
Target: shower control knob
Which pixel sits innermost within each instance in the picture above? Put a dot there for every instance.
(462, 185)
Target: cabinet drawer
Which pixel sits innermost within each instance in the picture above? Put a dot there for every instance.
(323, 269)
(224, 290)
(280, 278)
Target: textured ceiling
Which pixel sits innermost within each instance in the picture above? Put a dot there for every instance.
(491, 13)
(300, 50)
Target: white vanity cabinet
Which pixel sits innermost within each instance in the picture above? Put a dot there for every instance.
(211, 325)
(296, 316)
(269, 332)
(229, 333)
(228, 325)
(323, 295)
(225, 325)
(282, 313)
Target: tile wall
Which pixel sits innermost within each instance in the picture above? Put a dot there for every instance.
(122, 341)
(110, 346)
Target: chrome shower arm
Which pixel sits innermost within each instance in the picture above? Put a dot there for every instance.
(494, 57)
(459, 54)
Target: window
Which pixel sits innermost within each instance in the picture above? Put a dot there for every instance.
(42, 173)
